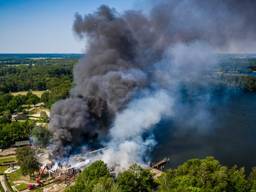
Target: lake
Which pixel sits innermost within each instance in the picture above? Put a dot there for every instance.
(231, 137)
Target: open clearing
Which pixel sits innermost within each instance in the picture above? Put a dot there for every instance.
(37, 93)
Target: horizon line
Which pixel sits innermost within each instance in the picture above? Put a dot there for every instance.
(40, 53)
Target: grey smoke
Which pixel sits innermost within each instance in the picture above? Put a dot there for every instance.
(67, 118)
(167, 48)
(218, 22)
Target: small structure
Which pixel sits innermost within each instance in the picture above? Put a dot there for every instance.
(22, 143)
(39, 104)
(160, 164)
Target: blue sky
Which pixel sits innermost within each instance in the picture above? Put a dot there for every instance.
(45, 26)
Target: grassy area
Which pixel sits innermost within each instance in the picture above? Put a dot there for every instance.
(7, 159)
(1, 188)
(14, 176)
(2, 169)
(21, 186)
(9, 186)
(37, 93)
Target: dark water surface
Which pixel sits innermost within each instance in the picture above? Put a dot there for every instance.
(231, 138)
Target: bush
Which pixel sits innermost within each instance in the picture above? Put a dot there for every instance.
(96, 175)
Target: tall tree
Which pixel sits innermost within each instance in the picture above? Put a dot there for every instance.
(27, 160)
(96, 175)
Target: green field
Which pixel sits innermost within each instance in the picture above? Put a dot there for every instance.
(21, 186)
(4, 160)
(7, 159)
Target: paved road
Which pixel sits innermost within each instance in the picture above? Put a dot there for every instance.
(3, 182)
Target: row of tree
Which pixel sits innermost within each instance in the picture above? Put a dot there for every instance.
(196, 175)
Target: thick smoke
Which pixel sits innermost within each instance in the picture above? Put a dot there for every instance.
(220, 23)
(136, 69)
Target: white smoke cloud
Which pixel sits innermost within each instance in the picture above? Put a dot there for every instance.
(127, 145)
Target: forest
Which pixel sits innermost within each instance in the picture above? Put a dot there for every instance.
(52, 76)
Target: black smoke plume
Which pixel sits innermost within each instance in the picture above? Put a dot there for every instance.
(163, 49)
